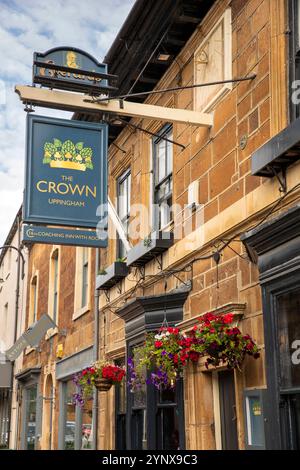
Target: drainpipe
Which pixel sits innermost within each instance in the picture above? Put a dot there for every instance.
(95, 353)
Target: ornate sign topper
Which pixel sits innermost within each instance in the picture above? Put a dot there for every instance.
(71, 69)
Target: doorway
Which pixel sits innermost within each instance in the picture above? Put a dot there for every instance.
(48, 413)
(228, 418)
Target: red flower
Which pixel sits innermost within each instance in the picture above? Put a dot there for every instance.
(208, 317)
(212, 330)
(228, 318)
(158, 344)
(194, 356)
(195, 328)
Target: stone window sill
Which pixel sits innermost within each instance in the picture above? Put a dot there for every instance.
(80, 312)
(51, 332)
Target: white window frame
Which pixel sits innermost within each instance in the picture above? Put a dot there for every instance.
(52, 331)
(33, 298)
(227, 38)
(80, 309)
(166, 131)
(126, 175)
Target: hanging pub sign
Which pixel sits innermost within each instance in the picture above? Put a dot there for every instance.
(71, 69)
(66, 172)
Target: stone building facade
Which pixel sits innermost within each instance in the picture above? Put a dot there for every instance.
(209, 173)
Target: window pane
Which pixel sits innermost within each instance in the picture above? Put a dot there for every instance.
(34, 297)
(289, 338)
(169, 155)
(84, 285)
(165, 213)
(55, 284)
(87, 435)
(70, 416)
(31, 398)
(167, 396)
(167, 429)
(255, 428)
(124, 191)
(163, 179)
(161, 163)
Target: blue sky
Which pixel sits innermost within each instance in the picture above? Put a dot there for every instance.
(38, 25)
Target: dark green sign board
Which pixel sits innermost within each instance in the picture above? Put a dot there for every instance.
(61, 236)
(66, 172)
(71, 69)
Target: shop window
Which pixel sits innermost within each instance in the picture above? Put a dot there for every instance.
(289, 339)
(70, 421)
(30, 417)
(123, 207)
(5, 403)
(163, 178)
(213, 62)
(76, 422)
(288, 324)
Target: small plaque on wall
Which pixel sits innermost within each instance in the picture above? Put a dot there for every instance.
(254, 419)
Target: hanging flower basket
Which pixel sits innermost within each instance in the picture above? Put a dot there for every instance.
(222, 343)
(103, 385)
(164, 356)
(100, 375)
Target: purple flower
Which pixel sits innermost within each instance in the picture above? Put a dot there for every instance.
(163, 353)
(130, 363)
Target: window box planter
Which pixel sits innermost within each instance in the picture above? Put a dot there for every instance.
(150, 248)
(113, 274)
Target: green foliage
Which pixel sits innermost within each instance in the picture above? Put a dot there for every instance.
(57, 143)
(222, 343)
(69, 152)
(48, 147)
(87, 152)
(68, 147)
(163, 356)
(102, 272)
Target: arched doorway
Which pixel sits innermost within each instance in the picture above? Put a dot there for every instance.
(48, 399)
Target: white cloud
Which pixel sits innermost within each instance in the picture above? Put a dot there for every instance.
(36, 25)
